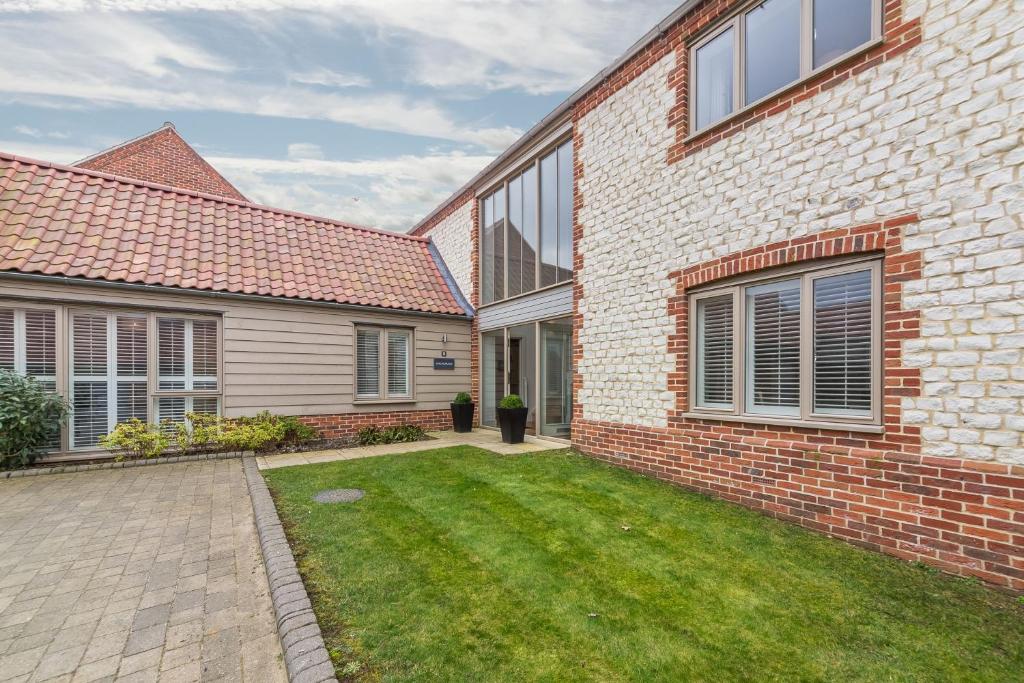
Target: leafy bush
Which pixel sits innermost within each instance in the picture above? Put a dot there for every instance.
(136, 439)
(205, 433)
(372, 436)
(30, 419)
(462, 398)
(511, 401)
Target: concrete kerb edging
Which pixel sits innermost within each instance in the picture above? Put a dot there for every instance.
(112, 465)
(305, 654)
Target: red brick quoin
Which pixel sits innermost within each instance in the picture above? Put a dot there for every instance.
(876, 491)
(347, 424)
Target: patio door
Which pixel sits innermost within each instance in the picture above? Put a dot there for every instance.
(534, 361)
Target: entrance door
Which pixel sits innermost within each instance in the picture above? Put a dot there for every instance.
(492, 376)
(556, 377)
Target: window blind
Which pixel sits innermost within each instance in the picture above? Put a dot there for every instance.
(6, 339)
(132, 353)
(715, 351)
(204, 354)
(773, 368)
(368, 363)
(398, 363)
(89, 379)
(171, 353)
(842, 344)
(41, 347)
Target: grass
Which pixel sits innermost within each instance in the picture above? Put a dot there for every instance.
(463, 565)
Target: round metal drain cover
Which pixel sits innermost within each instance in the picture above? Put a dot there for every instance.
(339, 496)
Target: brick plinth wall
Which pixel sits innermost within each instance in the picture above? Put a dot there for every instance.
(348, 424)
(873, 490)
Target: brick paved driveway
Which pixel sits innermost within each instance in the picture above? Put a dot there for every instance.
(141, 574)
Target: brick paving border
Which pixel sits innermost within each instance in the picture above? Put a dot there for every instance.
(305, 654)
(112, 465)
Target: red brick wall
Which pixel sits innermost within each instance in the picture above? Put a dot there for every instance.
(347, 424)
(875, 491)
(163, 157)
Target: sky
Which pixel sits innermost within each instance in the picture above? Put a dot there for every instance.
(370, 111)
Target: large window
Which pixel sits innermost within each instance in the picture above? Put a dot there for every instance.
(187, 363)
(803, 345)
(770, 45)
(383, 363)
(110, 362)
(526, 228)
(28, 346)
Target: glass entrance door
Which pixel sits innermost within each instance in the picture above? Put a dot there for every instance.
(533, 360)
(556, 377)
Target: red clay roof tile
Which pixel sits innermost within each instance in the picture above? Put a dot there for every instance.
(68, 221)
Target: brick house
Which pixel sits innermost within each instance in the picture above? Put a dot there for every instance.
(141, 283)
(774, 254)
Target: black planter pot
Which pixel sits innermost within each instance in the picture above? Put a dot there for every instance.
(513, 424)
(462, 416)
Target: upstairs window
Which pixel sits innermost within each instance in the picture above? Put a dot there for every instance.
(771, 45)
(526, 228)
(802, 346)
(383, 363)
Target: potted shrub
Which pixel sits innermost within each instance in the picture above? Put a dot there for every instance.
(462, 412)
(512, 419)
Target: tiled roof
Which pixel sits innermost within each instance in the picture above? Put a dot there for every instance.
(66, 221)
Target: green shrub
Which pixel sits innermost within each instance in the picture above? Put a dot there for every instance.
(462, 398)
(511, 401)
(136, 439)
(30, 419)
(372, 436)
(297, 431)
(201, 433)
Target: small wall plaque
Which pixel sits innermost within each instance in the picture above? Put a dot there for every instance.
(444, 363)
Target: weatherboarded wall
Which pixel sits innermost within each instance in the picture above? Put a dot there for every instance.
(291, 358)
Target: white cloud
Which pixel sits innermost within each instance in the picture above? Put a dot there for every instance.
(391, 193)
(305, 150)
(329, 78)
(31, 132)
(537, 46)
(44, 151)
(145, 66)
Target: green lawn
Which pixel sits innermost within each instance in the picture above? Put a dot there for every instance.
(464, 565)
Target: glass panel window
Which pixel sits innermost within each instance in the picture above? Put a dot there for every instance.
(384, 363)
(109, 366)
(529, 227)
(368, 363)
(839, 27)
(565, 199)
(842, 344)
(714, 351)
(187, 351)
(487, 250)
(772, 48)
(808, 348)
(515, 237)
(779, 42)
(773, 348)
(28, 346)
(498, 233)
(548, 220)
(398, 364)
(714, 77)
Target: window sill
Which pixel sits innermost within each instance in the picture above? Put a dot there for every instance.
(782, 92)
(381, 401)
(784, 422)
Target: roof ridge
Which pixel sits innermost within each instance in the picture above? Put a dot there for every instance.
(204, 195)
